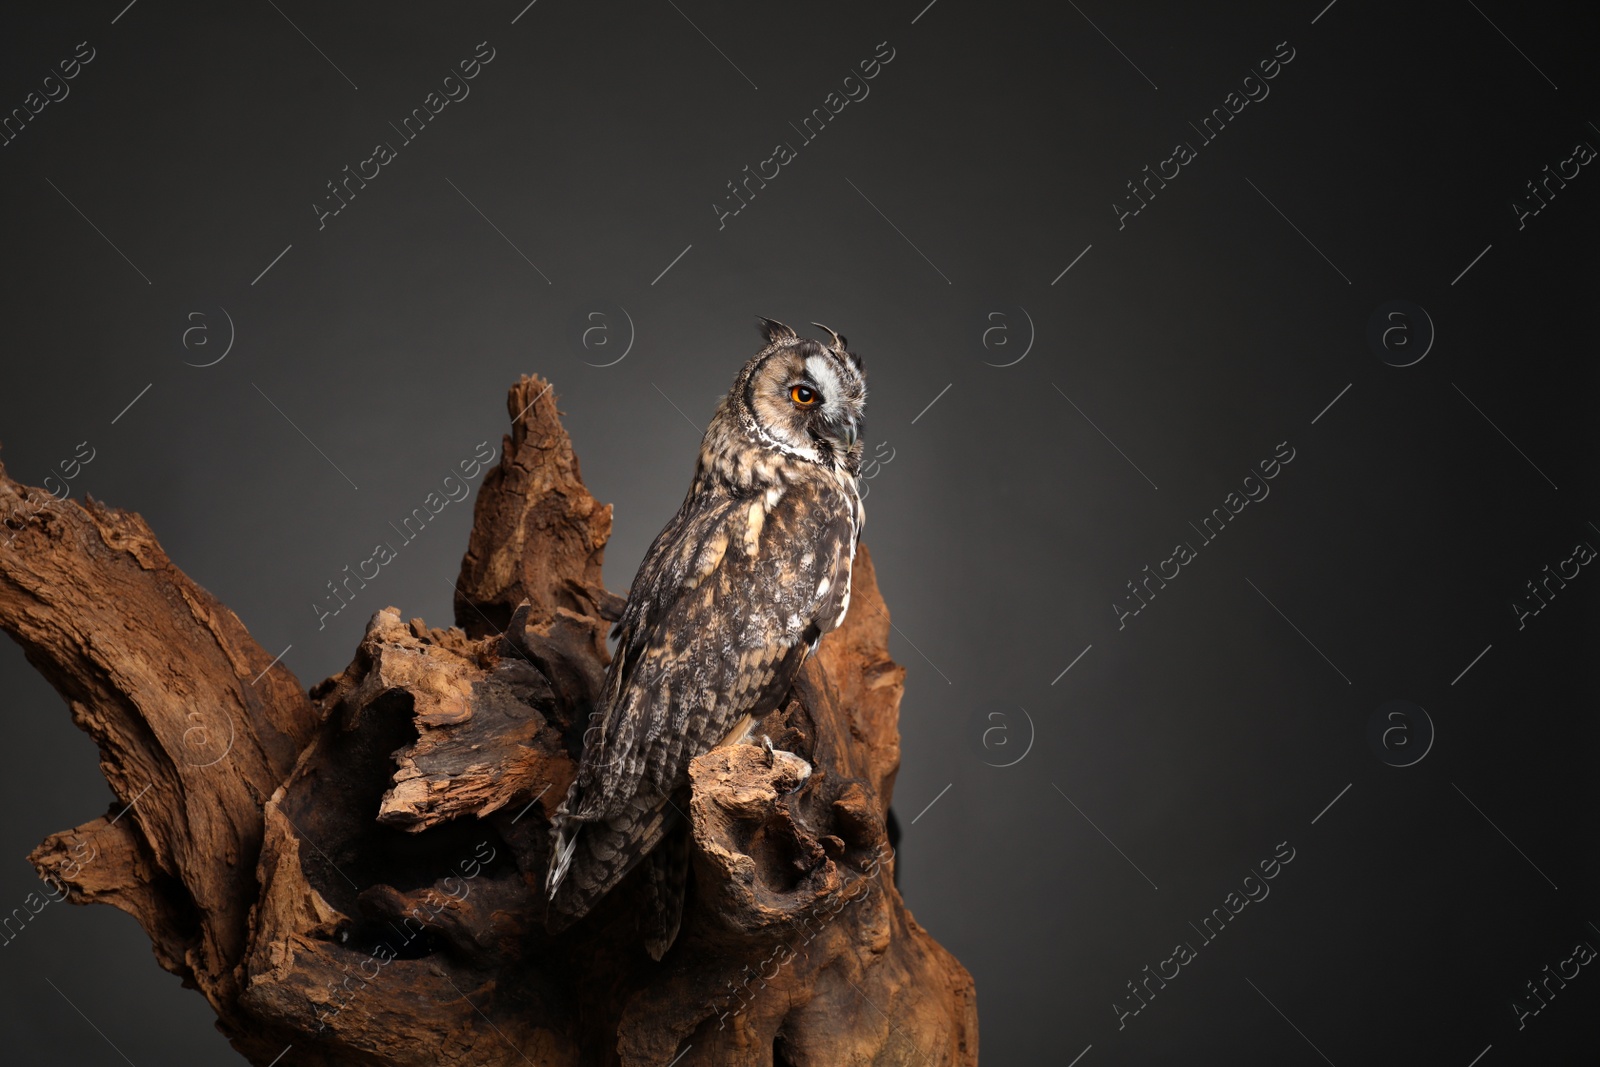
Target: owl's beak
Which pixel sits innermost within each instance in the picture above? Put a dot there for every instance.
(840, 428)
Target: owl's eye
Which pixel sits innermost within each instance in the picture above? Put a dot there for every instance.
(803, 395)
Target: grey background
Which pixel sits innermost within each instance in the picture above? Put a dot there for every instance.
(1005, 524)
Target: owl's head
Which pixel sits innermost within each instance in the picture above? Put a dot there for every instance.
(806, 398)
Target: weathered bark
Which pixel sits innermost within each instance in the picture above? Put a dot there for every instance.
(357, 872)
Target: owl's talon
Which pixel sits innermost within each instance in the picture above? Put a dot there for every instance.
(766, 743)
(789, 766)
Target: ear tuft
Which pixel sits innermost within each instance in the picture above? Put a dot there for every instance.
(839, 343)
(775, 331)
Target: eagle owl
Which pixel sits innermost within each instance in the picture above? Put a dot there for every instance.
(732, 596)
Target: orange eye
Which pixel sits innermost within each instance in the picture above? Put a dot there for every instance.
(803, 395)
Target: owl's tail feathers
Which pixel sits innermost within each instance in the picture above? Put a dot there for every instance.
(667, 874)
(588, 858)
(564, 842)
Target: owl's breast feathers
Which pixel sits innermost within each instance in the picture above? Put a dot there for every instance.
(733, 594)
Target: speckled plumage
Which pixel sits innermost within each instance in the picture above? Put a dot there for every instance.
(733, 594)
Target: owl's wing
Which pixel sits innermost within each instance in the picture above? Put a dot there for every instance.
(719, 620)
(740, 590)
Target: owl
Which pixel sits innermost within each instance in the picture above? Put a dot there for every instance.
(732, 597)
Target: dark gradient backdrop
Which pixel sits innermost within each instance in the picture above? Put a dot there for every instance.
(971, 205)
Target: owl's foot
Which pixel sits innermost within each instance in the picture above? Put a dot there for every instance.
(792, 766)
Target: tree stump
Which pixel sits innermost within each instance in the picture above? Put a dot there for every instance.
(356, 871)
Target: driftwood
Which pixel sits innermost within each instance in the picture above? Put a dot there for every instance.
(355, 872)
